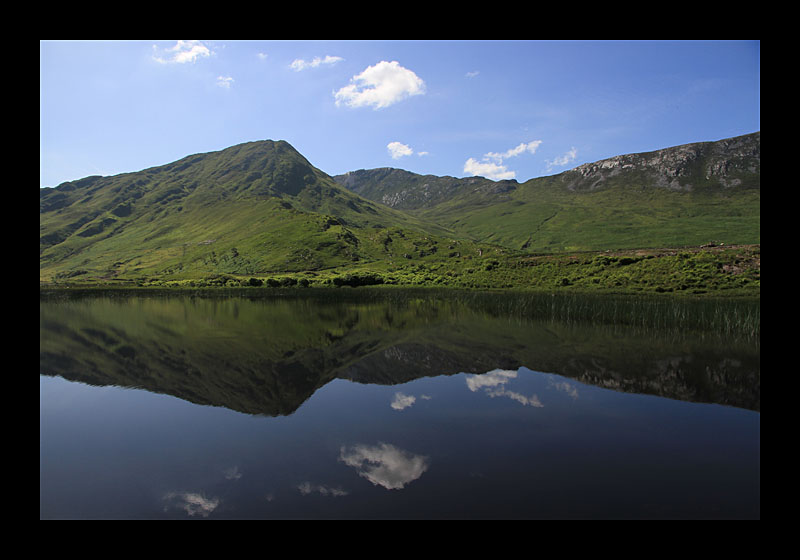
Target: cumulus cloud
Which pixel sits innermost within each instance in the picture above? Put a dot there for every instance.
(472, 74)
(492, 164)
(182, 52)
(384, 464)
(398, 150)
(566, 159)
(299, 64)
(380, 86)
(488, 169)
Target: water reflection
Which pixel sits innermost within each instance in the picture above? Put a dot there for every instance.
(232, 473)
(269, 356)
(407, 408)
(402, 401)
(384, 464)
(307, 488)
(493, 384)
(192, 503)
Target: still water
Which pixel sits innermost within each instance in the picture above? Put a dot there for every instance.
(398, 407)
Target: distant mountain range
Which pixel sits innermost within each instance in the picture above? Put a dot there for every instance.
(262, 208)
(676, 196)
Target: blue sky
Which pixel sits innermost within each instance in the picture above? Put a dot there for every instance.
(500, 109)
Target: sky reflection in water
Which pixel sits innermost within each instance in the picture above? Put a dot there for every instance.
(507, 443)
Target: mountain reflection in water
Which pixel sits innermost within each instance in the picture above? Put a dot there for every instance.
(359, 404)
(268, 356)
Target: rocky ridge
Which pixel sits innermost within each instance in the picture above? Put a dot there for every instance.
(727, 162)
(404, 190)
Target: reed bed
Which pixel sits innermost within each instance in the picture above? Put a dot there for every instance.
(735, 316)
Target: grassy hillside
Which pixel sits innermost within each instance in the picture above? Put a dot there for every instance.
(254, 208)
(686, 195)
(543, 215)
(259, 214)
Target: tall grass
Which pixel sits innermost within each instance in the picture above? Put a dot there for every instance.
(702, 316)
(738, 317)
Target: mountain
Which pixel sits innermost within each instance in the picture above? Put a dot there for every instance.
(408, 191)
(254, 208)
(260, 209)
(683, 195)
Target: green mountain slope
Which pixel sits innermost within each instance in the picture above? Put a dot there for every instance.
(260, 213)
(685, 195)
(253, 208)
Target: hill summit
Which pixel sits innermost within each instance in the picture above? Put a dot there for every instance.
(261, 209)
(254, 208)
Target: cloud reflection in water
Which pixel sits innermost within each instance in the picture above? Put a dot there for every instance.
(307, 488)
(192, 503)
(402, 401)
(384, 464)
(493, 384)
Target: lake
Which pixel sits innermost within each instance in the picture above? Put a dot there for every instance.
(391, 404)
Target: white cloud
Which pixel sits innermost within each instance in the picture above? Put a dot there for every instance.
(262, 56)
(566, 159)
(192, 503)
(182, 52)
(398, 150)
(488, 169)
(380, 86)
(491, 379)
(513, 152)
(493, 383)
(496, 170)
(224, 81)
(300, 64)
(472, 74)
(402, 401)
(384, 464)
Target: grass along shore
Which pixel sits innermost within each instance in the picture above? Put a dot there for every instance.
(711, 269)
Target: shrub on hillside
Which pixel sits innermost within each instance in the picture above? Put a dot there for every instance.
(358, 279)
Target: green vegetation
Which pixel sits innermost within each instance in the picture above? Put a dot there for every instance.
(255, 208)
(682, 196)
(712, 270)
(545, 216)
(259, 216)
(265, 351)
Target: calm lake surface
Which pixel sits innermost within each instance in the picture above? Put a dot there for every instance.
(408, 406)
